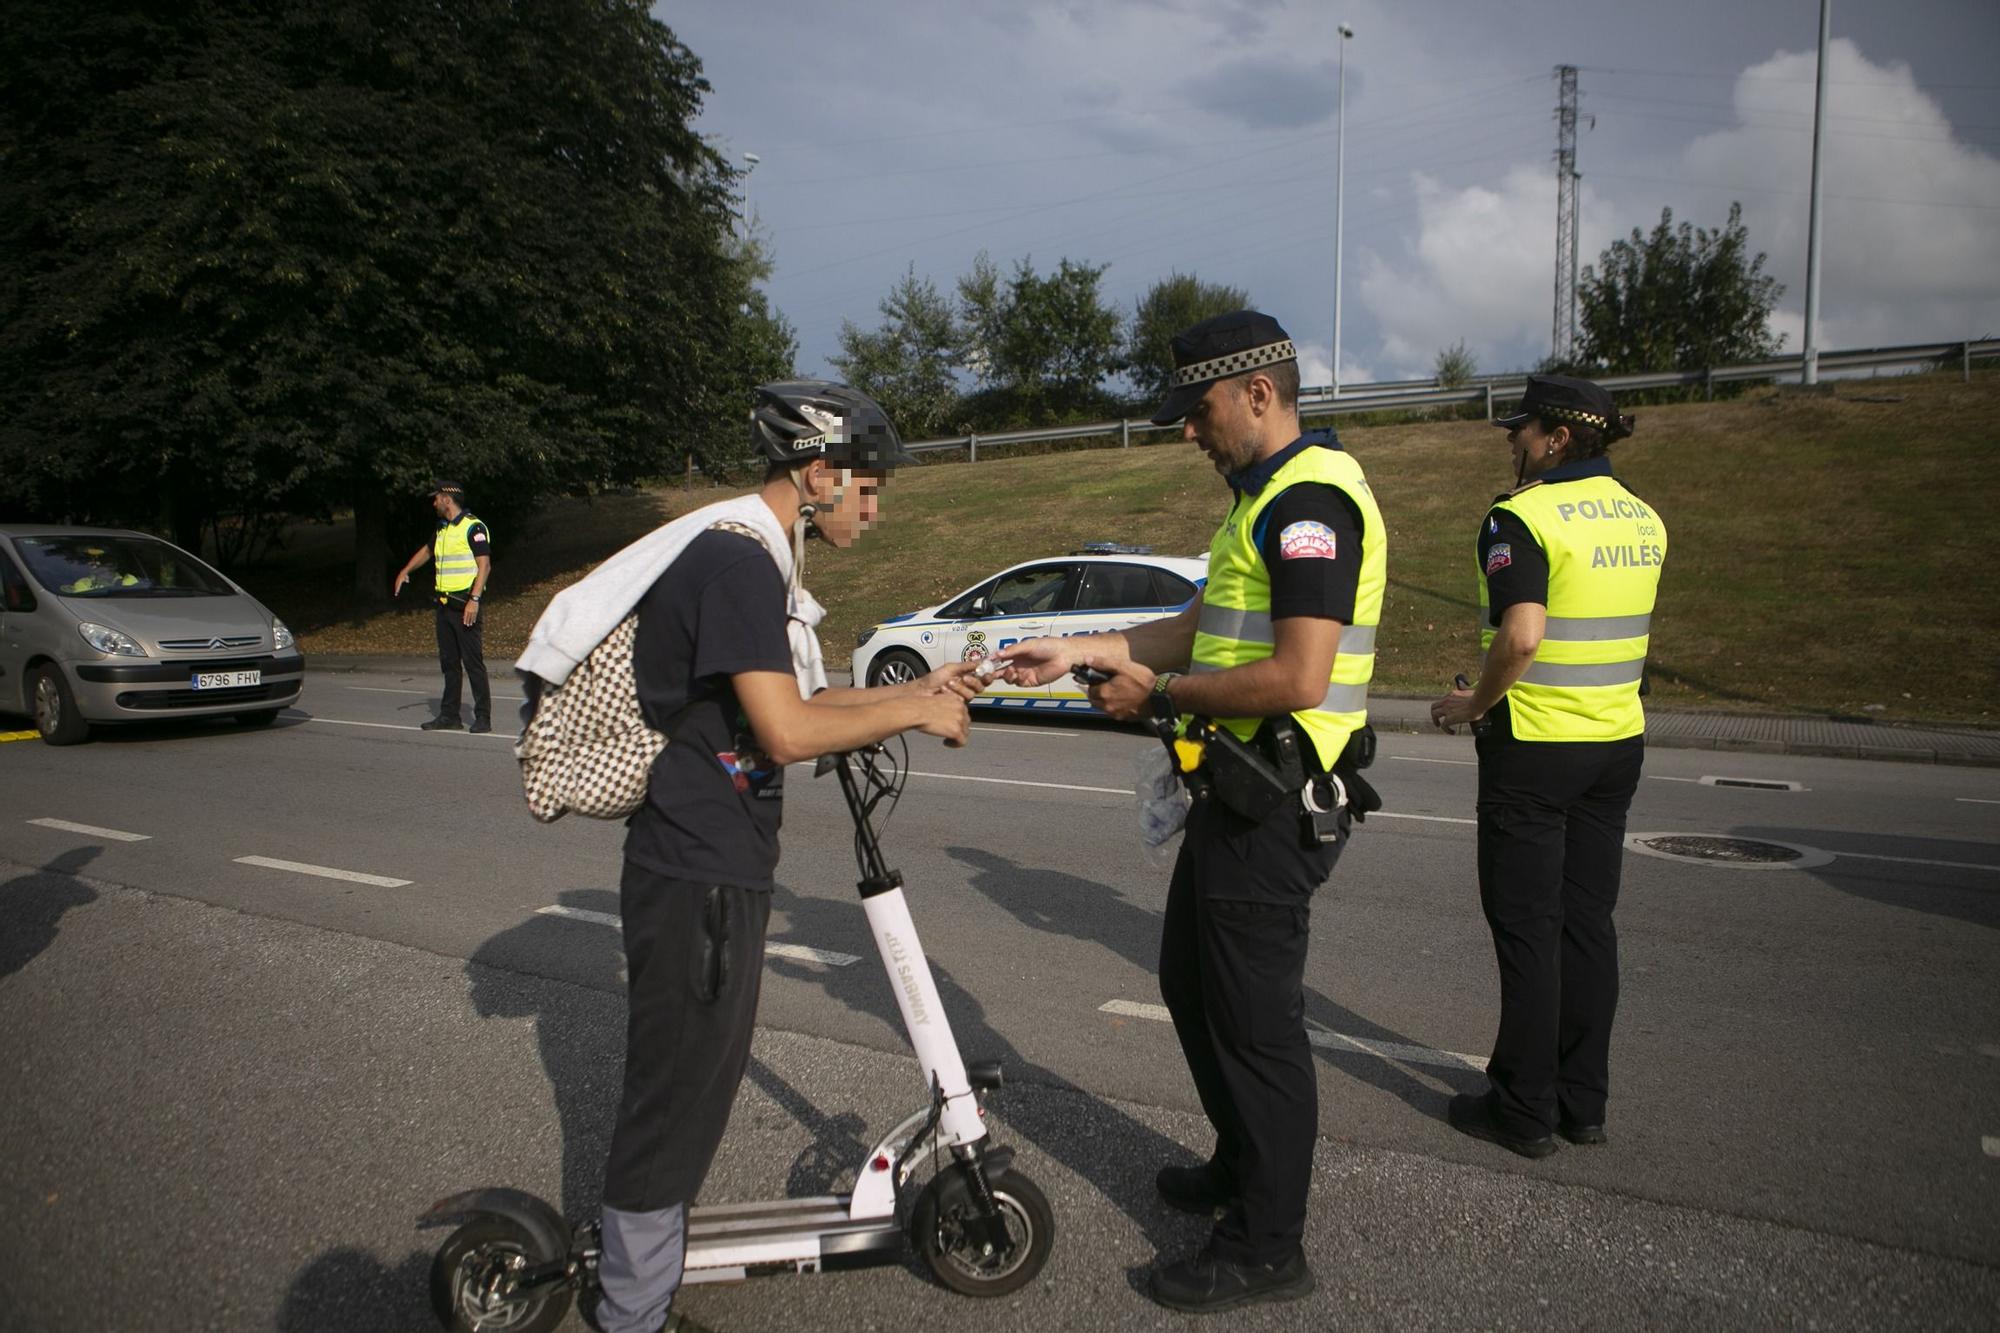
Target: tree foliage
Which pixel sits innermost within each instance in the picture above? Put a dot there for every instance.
(1454, 366)
(909, 363)
(1040, 346)
(260, 255)
(1681, 298)
(1170, 305)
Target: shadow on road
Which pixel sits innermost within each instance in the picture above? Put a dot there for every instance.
(32, 906)
(351, 1291)
(1962, 895)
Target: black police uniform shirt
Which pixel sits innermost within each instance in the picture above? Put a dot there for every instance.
(714, 802)
(1310, 574)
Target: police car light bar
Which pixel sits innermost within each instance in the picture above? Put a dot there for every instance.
(1112, 548)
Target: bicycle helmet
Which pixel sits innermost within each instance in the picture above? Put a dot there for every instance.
(797, 421)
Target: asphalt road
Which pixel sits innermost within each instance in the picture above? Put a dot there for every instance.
(232, 1083)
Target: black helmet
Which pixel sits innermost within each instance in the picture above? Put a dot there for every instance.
(800, 420)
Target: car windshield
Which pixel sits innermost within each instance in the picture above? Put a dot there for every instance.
(117, 567)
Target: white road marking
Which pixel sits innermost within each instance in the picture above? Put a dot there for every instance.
(1661, 777)
(1917, 861)
(1990, 1144)
(1974, 800)
(799, 952)
(1321, 1036)
(404, 726)
(383, 689)
(92, 829)
(1431, 819)
(324, 872)
(1021, 782)
(1419, 759)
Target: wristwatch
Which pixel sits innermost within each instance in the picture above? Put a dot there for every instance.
(473, 598)
(1163, 702)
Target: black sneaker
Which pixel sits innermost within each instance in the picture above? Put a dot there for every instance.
(1195, 1189)
(1581, 1135)
(441, 724)
(479, 728)
(1206, 1284)
(1472, 1114)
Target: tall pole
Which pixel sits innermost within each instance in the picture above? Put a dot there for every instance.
(1339, 195)
(1812, 227)
(1562, 334)
(750, 161)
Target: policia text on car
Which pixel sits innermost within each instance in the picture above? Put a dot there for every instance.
(1270, 720)
(1569, 565)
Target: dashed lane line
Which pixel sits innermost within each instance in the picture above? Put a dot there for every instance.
(1021, 782)
(323, 872)
(1967, 800)
(1420, 759)
(118, 835)
(383, 689)
(798, 952)
(1429, 819)
(405, 726)
(1326, 1038)
(1916, 861)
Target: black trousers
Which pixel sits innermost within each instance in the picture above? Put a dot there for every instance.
(459, 645)
(1551, 849)
(694, 962)
(1232, 972)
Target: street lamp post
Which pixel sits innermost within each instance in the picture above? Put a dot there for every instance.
(1339, 195)
(1810, 359)
(750, 161)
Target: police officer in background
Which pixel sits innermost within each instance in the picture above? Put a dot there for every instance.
(1569, 563)
(463, 550)
(1282, 646)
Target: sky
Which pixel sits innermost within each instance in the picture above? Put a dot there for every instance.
(1163, 136)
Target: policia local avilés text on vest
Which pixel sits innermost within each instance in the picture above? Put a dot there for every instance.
(1569, 564)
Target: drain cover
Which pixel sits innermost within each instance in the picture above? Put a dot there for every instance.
(1728, 851)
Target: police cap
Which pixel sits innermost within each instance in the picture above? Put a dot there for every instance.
(1219, 347)
(1565, 398)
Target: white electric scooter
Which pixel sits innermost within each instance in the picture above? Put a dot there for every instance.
(982, 1227)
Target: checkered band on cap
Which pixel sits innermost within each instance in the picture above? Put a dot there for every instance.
(1236, 363)
(1573, 414)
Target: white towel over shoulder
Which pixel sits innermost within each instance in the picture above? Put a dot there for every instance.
(583, 614)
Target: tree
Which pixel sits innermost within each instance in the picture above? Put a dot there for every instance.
(1170, 305)
(1679, 299)
(909, 363)
(1455, 366)
(1044, 344)
(306, 257)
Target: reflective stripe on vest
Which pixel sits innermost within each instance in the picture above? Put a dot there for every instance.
(457, 567)
(1235, 625)
(1605, 549)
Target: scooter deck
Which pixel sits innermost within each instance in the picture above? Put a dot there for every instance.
(733, 1241)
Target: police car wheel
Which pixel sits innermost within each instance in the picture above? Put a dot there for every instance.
(56, 717)
(896, 667)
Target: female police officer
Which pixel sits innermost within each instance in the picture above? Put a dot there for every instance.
(1569, 563)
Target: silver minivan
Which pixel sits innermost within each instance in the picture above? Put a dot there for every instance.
(103, 625)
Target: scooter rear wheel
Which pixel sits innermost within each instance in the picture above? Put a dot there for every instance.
(469, 1276)
(940, 1236)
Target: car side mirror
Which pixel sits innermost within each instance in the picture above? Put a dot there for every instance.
(980, 607)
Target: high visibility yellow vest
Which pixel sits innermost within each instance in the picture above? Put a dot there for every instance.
(457, 567)
(1605, 548)
(1235, 626)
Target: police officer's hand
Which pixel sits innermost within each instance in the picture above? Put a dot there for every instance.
(1036, 661)
(1124, 696)
(396, 588)
(1454, 710)
(471, 613)
(944, 716)
(954, 678)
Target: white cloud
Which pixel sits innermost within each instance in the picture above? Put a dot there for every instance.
(1316, 367)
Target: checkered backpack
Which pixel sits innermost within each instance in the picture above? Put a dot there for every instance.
(586, 748)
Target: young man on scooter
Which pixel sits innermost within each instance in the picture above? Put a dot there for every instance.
(727, 668)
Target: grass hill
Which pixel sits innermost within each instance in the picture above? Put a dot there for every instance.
(1829, 553)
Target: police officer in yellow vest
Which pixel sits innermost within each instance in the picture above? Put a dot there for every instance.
(1278, 651)
(463, 550)
(1569, 562)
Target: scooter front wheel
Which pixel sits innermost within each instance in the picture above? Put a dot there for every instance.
(938, 1227)
(472, 1281)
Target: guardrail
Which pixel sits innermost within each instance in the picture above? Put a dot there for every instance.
(1316, 403)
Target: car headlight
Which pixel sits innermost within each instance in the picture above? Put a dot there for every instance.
(281, 636)
(107, 640)
(865, 635)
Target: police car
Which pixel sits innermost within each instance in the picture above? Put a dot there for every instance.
(1101, 587)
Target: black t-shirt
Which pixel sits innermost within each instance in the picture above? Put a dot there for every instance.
(1310, 538)
(714, 801)
(1516, 567)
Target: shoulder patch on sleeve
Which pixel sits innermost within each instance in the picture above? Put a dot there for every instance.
(1306, 540)
(1498, 557)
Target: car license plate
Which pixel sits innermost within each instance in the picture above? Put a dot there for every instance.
(227, 680)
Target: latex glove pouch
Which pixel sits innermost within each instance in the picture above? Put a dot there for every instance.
(1163, 800)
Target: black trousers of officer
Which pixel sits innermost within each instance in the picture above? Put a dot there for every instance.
(1551, 849)
(1232, 971)
(462, 645)
(694, 963)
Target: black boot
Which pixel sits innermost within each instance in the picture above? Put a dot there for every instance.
(1206, 1284)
